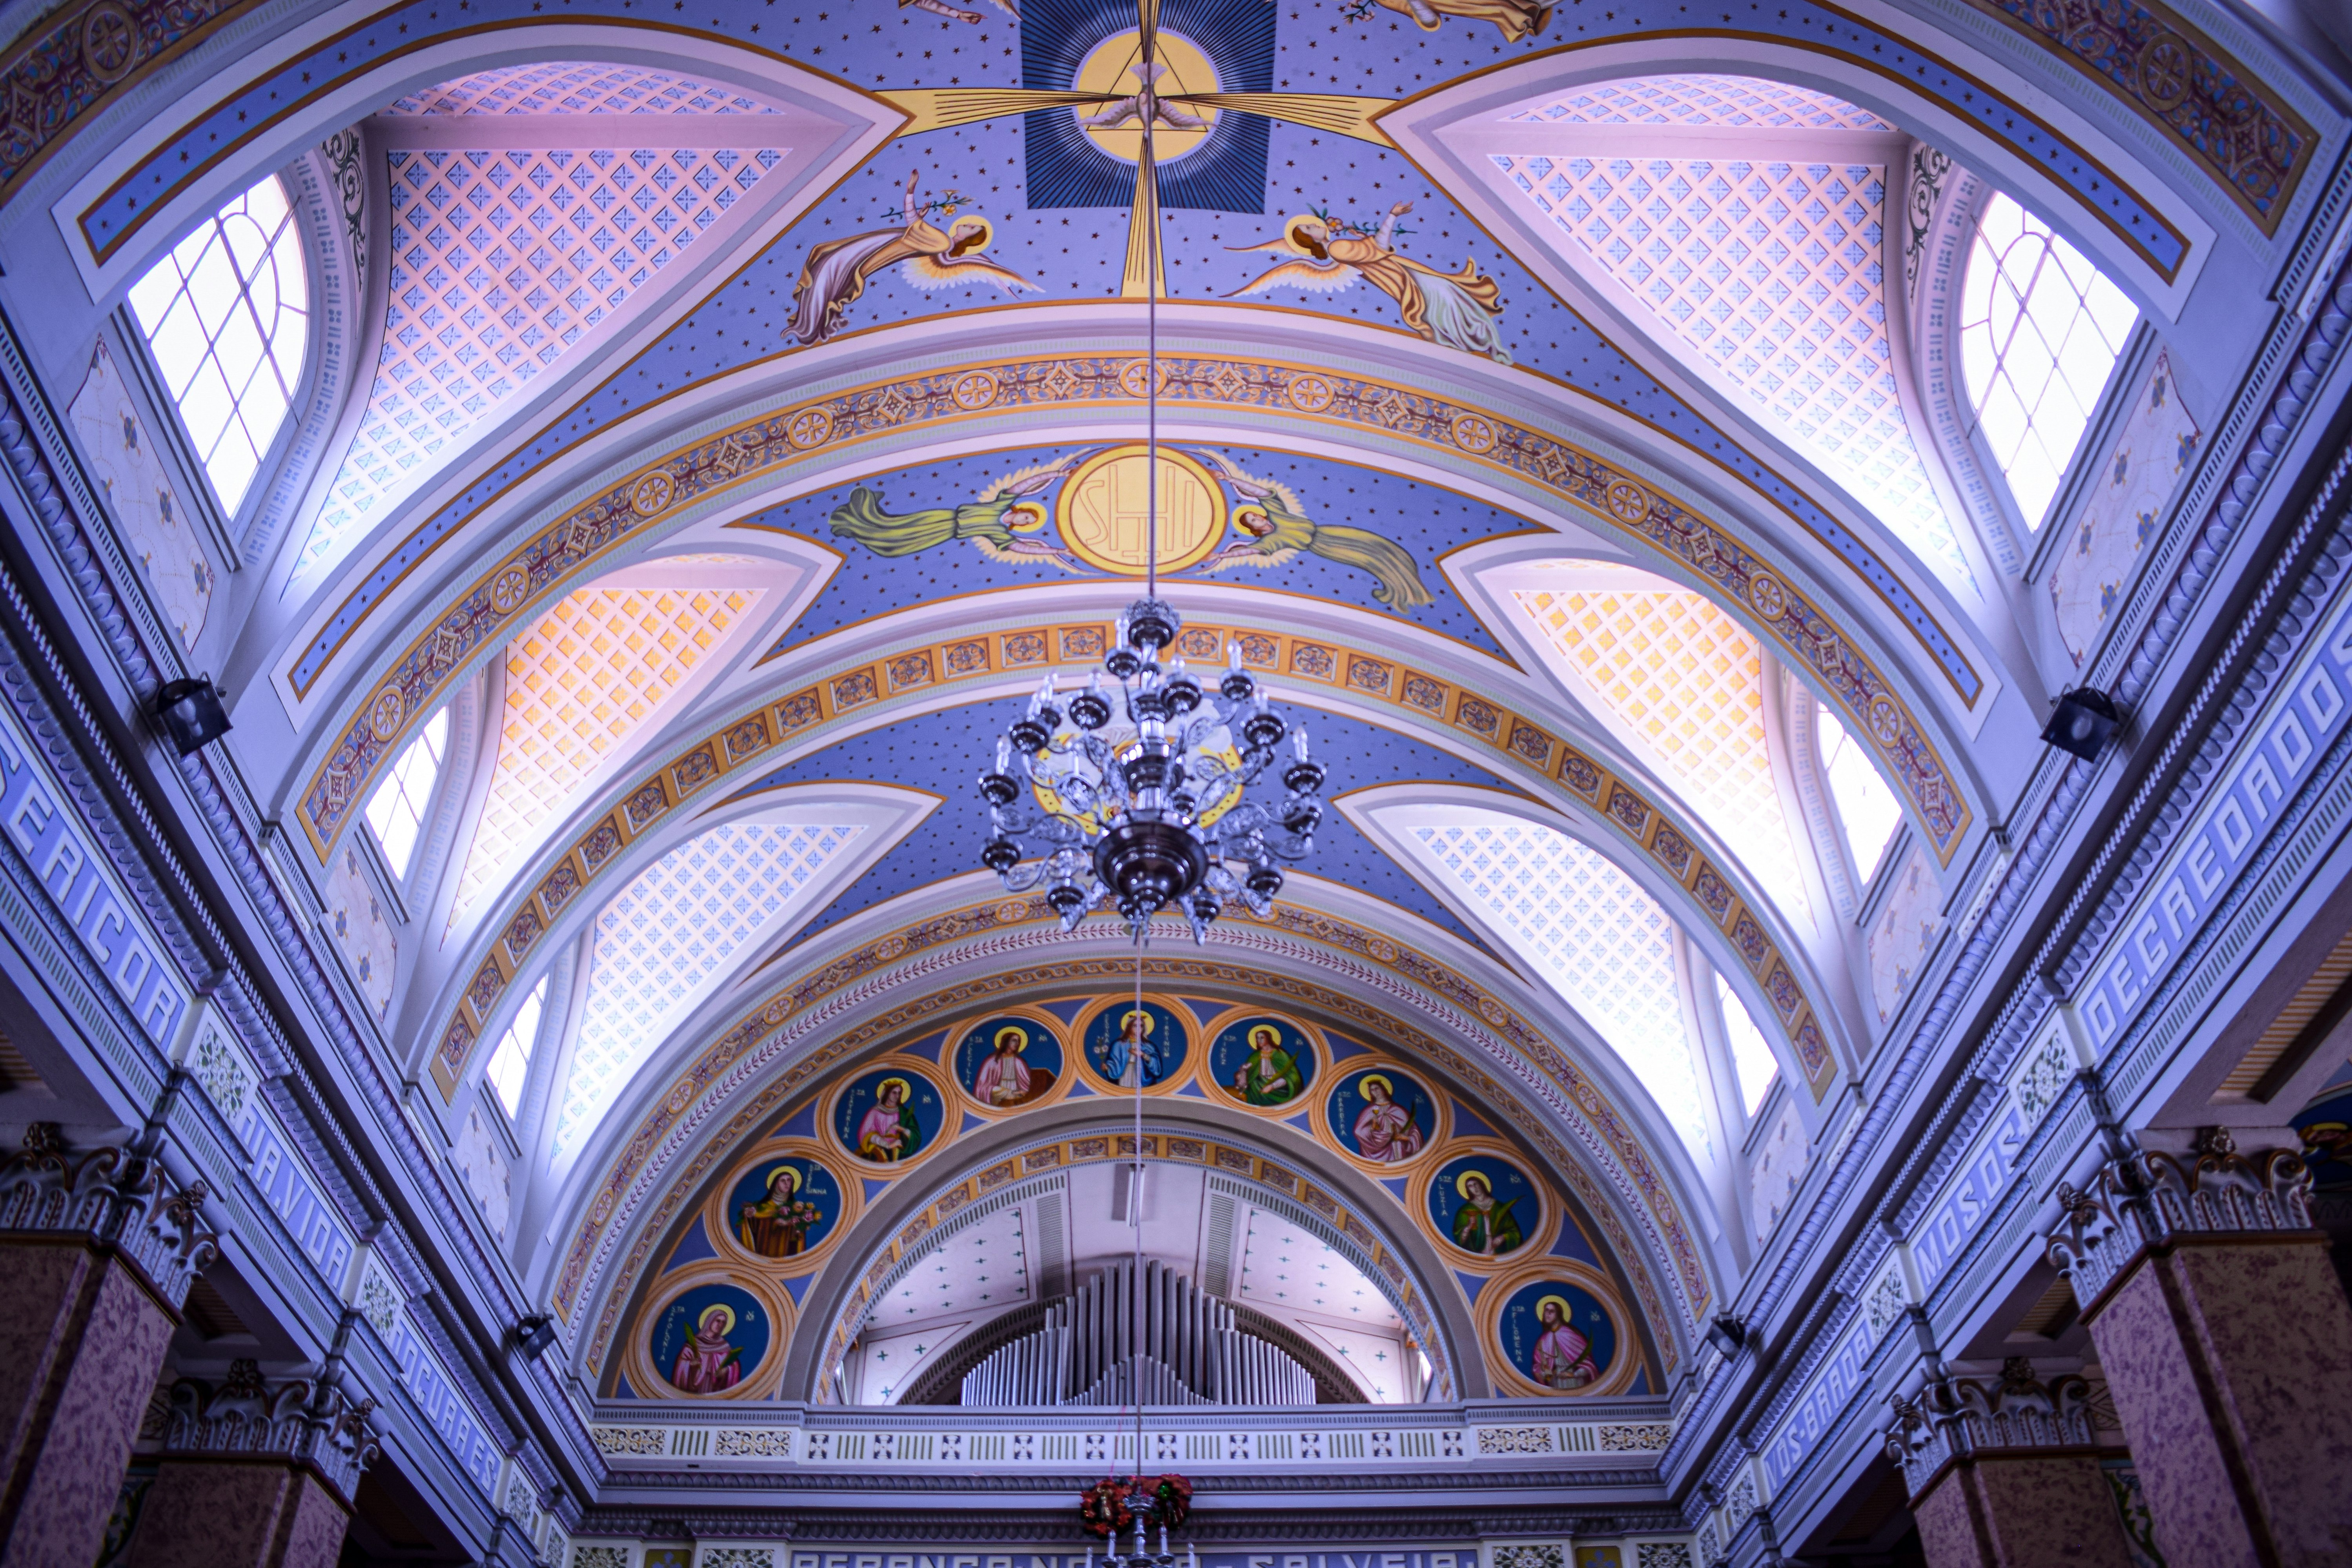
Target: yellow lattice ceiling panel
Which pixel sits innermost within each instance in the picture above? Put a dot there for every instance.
(1687, 681)
(578, 684)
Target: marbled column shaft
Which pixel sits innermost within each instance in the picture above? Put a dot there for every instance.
(229, 1513)
(81, 1343)
(2230, 1366)
(2024, 1510)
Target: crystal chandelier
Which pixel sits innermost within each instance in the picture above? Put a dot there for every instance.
(1150, 792)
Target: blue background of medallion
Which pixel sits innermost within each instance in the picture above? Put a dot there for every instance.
(925, 1100)
(1518, 1328)
(1230, 1051)
(1103, 1029)
(1346, 1103)
(1510, 1185)
(979, 1043)
(818, 1186)
(751, 1334)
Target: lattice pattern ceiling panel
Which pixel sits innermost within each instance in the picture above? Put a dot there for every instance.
(1774, 275)
(572, 88)
(578, 684)
(1740, 100)
(1588, 928)
(1285, 1270)
(666, 942)
(1689, 680)
(501, 263)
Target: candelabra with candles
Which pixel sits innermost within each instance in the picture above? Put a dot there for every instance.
(1159, 809)
(1141, 1557)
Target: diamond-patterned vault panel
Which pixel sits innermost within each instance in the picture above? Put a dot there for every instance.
(1689, 680)
(1601, 942)
(578, 684)
(1775, 274)
(666, 943)
(574, 88)
(501, 263)
(1740, 100)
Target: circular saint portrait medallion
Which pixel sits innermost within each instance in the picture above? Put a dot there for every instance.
(1008, 1062)
(1153, 1038)
(1382, 1115)
(889, 1116)
(1485, 1205)
(1263, 1062)
(1557, 1335)
(711, 1338)
(782, 1207)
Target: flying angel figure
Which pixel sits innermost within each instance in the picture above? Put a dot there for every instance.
(998, 525)
(1146, 107)
(942, 8)
(1278, 530)
(836, 272)
(1453, 309)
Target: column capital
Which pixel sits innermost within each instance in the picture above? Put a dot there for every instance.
(2145, 1202)
(1955, 1419)
(298, 1419)
(113, 1197)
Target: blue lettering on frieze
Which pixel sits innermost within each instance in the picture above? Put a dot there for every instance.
(444, 1409)
(1817, 1409)
(42, 826)
(2304, 718)
(287, 1188)
(1968, 1197)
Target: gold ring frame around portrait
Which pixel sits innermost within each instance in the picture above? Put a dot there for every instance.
(651, 1382)
(720, 1221)
(1038, 1019)
(896, 1064)
(1537, 1230)
(1508, 1381)
(1223, 1093)
(1119, 1007)
(1327, 1084)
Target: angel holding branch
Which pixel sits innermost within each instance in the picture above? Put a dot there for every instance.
(836, 274)
(1455, 309)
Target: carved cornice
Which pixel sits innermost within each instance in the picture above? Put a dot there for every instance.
(1956, 1419)
(114, 1198)
(2147, 1204)
(298, 1420)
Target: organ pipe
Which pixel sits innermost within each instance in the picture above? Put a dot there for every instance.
(1086, 1352)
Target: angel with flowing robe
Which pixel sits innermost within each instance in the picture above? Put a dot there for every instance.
(1454, 309)
(1516, 18)
(1275, 530)
(836, 272)
(1002, 524)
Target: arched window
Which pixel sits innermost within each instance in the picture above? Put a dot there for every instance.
(226, 317)
(397, 811)
(1866, 809)
(1749, 1054)
(510, 1066)
(2040, 327)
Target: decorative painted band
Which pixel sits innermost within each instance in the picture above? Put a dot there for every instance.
(510, 594)
(1716, 893)
(1336, 1447)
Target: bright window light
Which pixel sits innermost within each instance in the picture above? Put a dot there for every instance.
(226, 317)
(1864, 804)
(397, 811)
(1750, 1054)
(510, 1063)
(2041, 329)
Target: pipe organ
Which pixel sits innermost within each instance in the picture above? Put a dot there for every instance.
(1088, 1353)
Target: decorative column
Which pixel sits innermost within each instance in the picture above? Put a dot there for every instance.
(2226, 1341)
(255, 1474)
(97, 1253)
(2007, 1475)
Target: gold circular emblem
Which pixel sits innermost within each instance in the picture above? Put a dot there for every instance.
(2167, 68)
(1309, 394)
(1771, 600)
(1626, 501)
(1885, 720)
(110, 41)
(1012, 911)
(385, 712)
(1473, 433)
(811, 427)
(1131, 374)
(1114, 69)
(507, 588)
(652, 493)
(975, 389)
(1103, 511)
